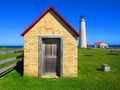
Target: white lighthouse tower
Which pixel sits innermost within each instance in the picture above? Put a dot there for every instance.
(83, 43)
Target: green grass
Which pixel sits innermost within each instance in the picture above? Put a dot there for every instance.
(9, 63)
(9, 55)
(89, 78)
(7, 49)
(2, 57)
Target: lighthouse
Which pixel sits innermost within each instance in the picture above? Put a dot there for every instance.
(83, 43)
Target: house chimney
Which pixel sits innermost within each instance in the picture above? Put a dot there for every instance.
(83, 43)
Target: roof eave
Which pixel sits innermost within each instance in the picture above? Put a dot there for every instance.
(42, 15)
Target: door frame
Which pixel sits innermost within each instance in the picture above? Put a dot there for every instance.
(40, 53)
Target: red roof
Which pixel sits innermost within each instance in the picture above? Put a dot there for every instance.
(43, 14)
(88, 45)
(98, 43)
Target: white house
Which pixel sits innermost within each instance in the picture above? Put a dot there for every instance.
(101, 45)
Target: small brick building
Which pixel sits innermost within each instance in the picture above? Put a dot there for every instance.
(50, 47)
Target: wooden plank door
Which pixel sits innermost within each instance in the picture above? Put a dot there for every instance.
(51, 57)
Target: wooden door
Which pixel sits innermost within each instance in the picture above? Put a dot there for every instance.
(51, 57)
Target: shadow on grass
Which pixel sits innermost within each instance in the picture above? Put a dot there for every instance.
(19, 67)
(5, 73)
(99, 69)
(88, 55)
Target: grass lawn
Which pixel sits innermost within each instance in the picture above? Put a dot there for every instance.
(7, 49)
(10, 55)
(9, 63)
(89, 78)
(3, 57)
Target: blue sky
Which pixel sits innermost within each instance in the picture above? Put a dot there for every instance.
(102, 18)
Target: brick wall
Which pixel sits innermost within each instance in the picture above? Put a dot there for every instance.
(49, 25)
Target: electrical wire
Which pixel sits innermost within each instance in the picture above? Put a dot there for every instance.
(37, 6)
